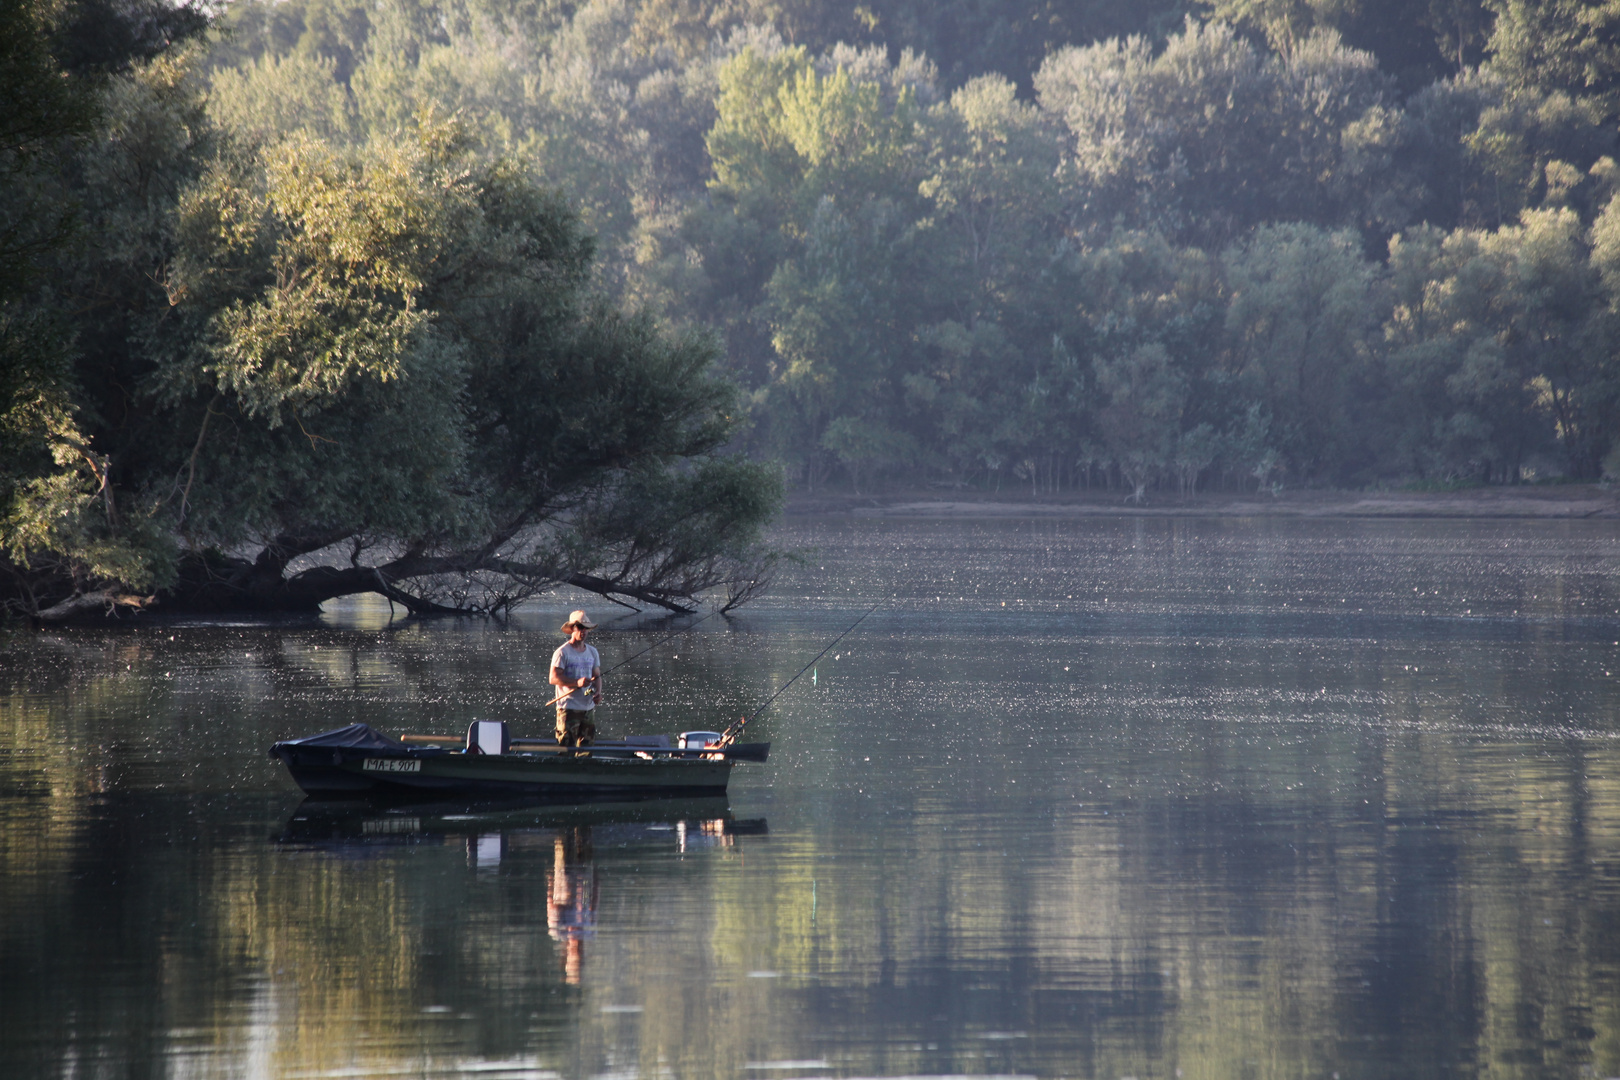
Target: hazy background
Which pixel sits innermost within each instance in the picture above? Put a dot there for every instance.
(1052, 244)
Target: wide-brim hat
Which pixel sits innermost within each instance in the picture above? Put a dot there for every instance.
(577, 618)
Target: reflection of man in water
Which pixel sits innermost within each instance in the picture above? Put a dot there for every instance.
(571, 898)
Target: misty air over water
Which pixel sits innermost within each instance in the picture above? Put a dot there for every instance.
(1029, 391)
(1107, 797)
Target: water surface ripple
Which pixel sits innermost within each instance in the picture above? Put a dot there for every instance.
(1096, 798)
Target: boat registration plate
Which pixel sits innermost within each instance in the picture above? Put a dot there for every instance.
(385, 764)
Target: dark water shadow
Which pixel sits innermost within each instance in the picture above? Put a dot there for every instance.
(344, 821)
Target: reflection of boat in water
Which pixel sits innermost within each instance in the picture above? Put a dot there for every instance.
(566, 837)
(343, 823)
(358, 761)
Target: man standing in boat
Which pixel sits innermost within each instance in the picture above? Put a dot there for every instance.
(577, 666)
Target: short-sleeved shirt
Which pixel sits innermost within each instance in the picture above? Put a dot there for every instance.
(577, 664)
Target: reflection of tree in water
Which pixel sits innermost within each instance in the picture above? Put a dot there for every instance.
(571, 893)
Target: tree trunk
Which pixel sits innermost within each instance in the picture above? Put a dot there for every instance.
(214, 584)
(103, 600)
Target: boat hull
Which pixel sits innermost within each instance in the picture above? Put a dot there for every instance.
(360, 772)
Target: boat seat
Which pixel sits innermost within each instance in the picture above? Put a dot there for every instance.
(488, 737)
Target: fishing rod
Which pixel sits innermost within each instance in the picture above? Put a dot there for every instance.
(672, 634)
(729, 736)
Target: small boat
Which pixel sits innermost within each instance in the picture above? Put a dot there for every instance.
(357, 761)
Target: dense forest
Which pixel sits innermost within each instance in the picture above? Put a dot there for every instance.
(499, 293)
(247, 369)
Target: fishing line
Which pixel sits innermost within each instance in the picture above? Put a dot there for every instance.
(660, 641)
(672, 634)
(735, 728)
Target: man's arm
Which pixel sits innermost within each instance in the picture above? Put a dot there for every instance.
(559, 679)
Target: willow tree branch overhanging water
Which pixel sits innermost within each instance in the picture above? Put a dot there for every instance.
(260, 584)
(734, 729)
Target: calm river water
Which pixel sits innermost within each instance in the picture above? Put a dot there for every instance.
(1098, 798)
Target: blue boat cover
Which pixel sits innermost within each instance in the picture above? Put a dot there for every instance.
(358, 736)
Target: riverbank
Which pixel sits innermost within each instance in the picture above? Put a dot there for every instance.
(1555, 501)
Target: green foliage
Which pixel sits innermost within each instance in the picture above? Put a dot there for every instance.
(492, 288)
(970, 38)
(991, 163)
(1571, 46)
(748, 145)
(1502, 336)
(1417, 42)
(787, 132)
(317, 269)
(1300, 316)
(1285, 23)
(101, 37)
(43, 107)
(284, 343)
(1209, 137)
(1481, 152)
(1611, 463)
(60, 517)
(274, 94)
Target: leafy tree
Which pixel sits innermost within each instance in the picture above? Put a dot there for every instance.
(1300, 318)
(1145, 397)
(1149, 315)
(752, 154)
(317, 303)
(963, 392)
(991, 163)
(274, 95)
(1572, 46)
(101, 37)
(1415, 42)
(970, 38)
(1480, 152)
(1500, 342)
(461, 406)
(1460, 29)
(291, 344)
(1209, 138)
(820, 163)
(60, 519)
(831, 311)
(44, 108)
(794, 135)
(1285, 23)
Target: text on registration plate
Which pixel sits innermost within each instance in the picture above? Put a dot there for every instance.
(383, 764)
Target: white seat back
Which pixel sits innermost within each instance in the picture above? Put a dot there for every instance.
(488, 737)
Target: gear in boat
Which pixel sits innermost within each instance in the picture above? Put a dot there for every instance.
(356, 760)
(359, 761)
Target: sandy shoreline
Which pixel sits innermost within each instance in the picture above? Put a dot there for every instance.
(1565, 501)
